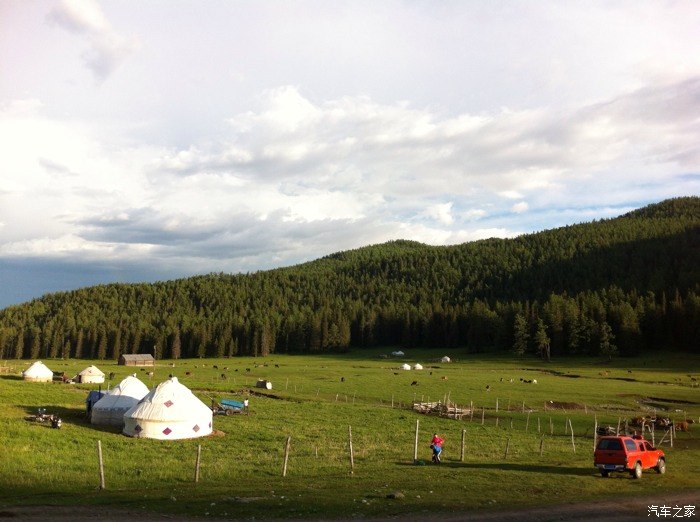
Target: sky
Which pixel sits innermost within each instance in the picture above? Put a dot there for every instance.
(153, 140)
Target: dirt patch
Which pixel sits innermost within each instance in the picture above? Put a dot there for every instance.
(626, 509)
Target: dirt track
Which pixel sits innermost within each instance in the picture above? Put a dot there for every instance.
(626, 509)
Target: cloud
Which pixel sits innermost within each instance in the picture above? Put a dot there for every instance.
(107, 49)
(293, 179)
(520, 207)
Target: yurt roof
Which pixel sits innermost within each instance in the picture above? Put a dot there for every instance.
(91, 370)
(130, 387)
(37, 369)
(406, 366)
(169, 401)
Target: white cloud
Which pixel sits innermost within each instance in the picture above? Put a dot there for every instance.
(107, 48)
(245, 136)
(520, 207)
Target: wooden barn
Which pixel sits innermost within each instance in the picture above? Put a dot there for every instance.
(137, 359)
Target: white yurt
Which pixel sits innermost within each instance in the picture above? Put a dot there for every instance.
(405, 366)
(110, 409)
(398, 353)
(91, 374)
(169, 411)
(445, 359)
(37, 372)
(417, 366)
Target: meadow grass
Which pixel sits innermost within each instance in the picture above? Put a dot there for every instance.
(315, 399)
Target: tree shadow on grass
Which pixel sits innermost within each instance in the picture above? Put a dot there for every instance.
(510, 466)
(11, 377)
(69, 417)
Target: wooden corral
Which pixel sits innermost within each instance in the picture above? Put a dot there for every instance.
(450, 411)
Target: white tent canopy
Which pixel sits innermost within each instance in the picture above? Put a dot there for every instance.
(91, 374)
(169, 411)
(38, 372)
(110, 409)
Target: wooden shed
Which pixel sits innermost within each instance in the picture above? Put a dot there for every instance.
(137, 359)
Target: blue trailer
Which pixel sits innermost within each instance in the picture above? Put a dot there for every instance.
(228, 407)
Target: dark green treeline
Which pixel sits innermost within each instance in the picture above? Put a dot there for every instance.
(617, 286)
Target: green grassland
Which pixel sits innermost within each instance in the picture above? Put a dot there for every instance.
(315, 399)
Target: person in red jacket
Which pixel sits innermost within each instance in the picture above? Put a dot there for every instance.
(436, 446)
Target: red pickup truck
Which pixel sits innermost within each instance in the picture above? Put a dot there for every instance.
(631, 454)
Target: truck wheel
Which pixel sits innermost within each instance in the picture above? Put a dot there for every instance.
(228, 412)
(661, 466)
(637, 471)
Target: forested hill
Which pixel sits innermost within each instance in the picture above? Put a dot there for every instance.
(620, 285)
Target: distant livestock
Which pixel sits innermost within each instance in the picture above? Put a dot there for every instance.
(414, 383)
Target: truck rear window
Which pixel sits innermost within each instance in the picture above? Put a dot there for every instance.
(610, 444)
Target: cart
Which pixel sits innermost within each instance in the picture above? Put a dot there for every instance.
(227, 407)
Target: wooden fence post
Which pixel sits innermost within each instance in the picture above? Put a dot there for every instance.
(102, 469)
(541, 444)
(286, 456)
(483, 413)
(415, 446)
(461, 455)
(527, 422)
(471, 411)
(595, 432)
(572, 436)
(197, 462)
(352, 456)
(507, 448)
(496, 404)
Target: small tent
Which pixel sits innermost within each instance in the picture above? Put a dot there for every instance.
(110, 409)
(417, 366)
(37, 372)
(91, 374)
(445, 359)
(398, 353)
(169, 411)
(406, 367)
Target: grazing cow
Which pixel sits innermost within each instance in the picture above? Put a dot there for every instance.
(247, 369)
(215, 367)
(682, 426)
(444, 377)
(223, 376)
(235, 370)
(342, 379)
(501, 380)
(111, 375)
(534, 381)
(414, 383)
(188, 374)
(488, 387)
(396, 373)
(277, 365)
(150, 374)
